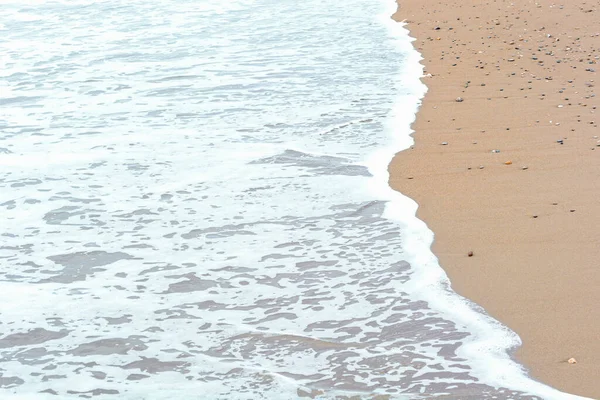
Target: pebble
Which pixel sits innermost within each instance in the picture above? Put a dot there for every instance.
(459, 99)
(444, 143)
(572, 361)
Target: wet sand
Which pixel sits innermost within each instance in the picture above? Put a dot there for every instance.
(519, 78)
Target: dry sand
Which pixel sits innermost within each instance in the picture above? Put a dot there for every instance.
(526, 71)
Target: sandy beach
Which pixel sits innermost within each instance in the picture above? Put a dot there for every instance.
(505, 169)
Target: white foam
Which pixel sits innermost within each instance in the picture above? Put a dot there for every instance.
(190, 177)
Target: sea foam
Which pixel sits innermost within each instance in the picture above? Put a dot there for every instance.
(195, 201)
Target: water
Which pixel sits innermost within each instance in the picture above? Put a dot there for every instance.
(194, 204)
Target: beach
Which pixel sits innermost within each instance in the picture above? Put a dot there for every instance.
(195, 199)
(505, 170)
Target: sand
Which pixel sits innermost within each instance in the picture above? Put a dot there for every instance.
(530, 213)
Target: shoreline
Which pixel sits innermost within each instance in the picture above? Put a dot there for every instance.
(518, 79)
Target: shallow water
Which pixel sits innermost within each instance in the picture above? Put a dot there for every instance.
(194, 205)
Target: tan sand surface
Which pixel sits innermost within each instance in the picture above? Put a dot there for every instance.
(530, 213)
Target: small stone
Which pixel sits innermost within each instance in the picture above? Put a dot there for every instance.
(572, 361)
(470, 254)
(535, 216)
(481, 167)
(495, 151)
(459, 99)
(524, 168)
(560, 141)
(444, 143)
(508, 162)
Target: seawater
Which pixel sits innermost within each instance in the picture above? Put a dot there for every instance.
(194, 205)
